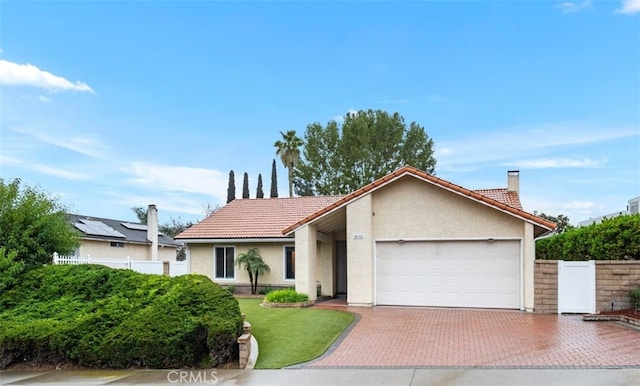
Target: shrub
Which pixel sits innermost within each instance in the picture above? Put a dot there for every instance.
(635, 298)
(617, 238)
(10, 269)
(266, 290)
(101, 317)
(285, 296)
(231, 288)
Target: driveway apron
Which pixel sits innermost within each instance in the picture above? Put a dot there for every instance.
(442, 337)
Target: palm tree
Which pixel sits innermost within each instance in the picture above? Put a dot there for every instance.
(255, 266)
(289, 152)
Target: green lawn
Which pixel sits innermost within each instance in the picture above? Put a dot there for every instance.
(287, 336)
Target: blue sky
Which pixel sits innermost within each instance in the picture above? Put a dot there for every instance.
(110, 105)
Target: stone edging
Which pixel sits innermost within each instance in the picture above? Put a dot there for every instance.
(612, 318)
(308, 303)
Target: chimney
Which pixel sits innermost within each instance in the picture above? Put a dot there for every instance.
(513, 181)
(152, 230)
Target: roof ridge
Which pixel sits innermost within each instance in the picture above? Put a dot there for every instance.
(436, 180)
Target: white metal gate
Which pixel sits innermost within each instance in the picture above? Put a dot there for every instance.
(576, 287)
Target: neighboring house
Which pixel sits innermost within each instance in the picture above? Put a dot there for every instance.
(632, 208)
(408, 238)
(107, 238)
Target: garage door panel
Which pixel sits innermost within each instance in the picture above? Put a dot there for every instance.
(449, 273)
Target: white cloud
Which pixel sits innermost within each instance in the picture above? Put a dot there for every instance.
(51, 171)
(14, 74)
(43, 98)
(629, 7)
(521, 142)
(179, 178)
(579, 205)
(80, 143)
(44, 169)
(547, 163)
(573, 6)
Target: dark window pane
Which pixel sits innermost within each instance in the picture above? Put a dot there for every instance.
(290, 263)
(229, 261)
(219, 263)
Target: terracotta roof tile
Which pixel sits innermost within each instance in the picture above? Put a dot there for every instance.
(256, 218)
(408, 170)
(502, 195)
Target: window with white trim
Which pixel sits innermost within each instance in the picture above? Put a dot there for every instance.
(224, 259)
(289, 263)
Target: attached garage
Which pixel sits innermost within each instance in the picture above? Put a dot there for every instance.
(449, 273)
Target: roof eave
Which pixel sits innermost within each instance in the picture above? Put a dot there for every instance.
(459, 190)
(237, 240)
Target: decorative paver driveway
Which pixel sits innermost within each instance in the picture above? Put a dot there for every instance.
(437, 337)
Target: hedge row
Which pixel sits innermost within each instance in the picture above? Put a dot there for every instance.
(616, 238)
(96, 316)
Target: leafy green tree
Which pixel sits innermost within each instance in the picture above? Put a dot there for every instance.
(141, 213)
(245, 186)
(338, 159)
(274, 180)
(10, 269)
(289, 151)
(259, 192)
(231, 189)
(255, 266)
(562, 221)
(33, 225)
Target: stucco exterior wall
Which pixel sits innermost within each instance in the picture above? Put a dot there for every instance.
(360, 251)
(201, 259)
(140, 252)
(528, 267)
(413, 209)
(410, 208)
(306, 260)
(325, 265)
(202, 262)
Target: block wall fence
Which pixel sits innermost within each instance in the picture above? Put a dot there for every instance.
(614, 280)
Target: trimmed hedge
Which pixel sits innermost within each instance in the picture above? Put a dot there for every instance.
(616, 238)
(96, 316)
(286, 296)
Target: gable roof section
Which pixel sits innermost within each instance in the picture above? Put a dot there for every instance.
(122, 231)
(260, 218)
(502, 195)
(490, 199)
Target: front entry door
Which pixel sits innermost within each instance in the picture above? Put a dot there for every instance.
(341, 268)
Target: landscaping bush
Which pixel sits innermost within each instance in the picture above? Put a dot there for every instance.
(617, 238)
(266, 290)
(635, 298)
(96, 316)
(285, 296)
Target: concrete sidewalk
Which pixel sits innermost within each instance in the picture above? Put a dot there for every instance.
(350, 377)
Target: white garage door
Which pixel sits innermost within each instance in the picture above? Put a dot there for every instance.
(483, 274)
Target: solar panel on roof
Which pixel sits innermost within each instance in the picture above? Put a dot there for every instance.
(138, 227)
(97, 228)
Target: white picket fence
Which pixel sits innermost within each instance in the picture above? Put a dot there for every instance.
(176, 268)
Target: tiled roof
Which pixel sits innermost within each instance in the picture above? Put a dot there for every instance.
(256, 218)
(130, 235)
(408, 170)
(502, 195)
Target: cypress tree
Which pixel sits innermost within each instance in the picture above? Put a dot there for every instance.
(245, 186)
(231, 189)
(274, 180)
(259, 192)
